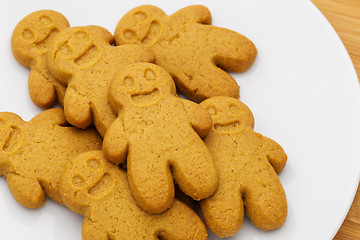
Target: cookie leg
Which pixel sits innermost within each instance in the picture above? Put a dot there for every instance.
(26, 191)
(150, 182)
(41, 91)
(180, 222)
(194, 172)
(265, 200)
(223, 212)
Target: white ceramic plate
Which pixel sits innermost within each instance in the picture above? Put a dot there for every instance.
(302, 89)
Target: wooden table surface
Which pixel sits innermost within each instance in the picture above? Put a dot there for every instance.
(344, 16)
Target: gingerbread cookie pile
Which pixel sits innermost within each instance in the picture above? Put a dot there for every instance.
(148, 143)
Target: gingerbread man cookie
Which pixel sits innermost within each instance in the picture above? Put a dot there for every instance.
(99, 190)
(30, 43)
(196, 54)
(85, 60)
(158, 134)
(33, 154)
(247, 163)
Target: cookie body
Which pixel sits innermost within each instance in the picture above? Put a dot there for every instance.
(247, 163)
(196, 54)
(33, 154)
(99, 190)
(84, 59)
(30, 43)
(158, 133)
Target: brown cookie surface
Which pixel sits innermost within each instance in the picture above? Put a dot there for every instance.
(247, 163)
(99, 190)
(85, 60)
(158, 134)
(33, 154)
(196, 54)
(30, 43)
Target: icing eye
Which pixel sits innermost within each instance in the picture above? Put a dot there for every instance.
(45, 20)
(129, 82)
(140, 16)
(78, 181)
(234, 109)
(150, 75)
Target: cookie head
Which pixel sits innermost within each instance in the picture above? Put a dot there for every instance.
(33, 34)
(229, 115)
(77, 48)
(140, 84)
(140, 25)
(86, 179)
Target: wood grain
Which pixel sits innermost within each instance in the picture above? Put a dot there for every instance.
(344, 16)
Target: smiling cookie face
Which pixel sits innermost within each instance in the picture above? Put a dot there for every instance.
(87, 179)
(99, 190)
(141, 25)
(141, 84)
(32, 36)
(77, 48)
(229, 115)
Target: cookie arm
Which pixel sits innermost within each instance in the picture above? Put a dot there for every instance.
(136, 53)
(41, 91)
(51, 116)
(275, 154)
(199, 117)
(115, 143)
(26, 191)
(195, 13)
